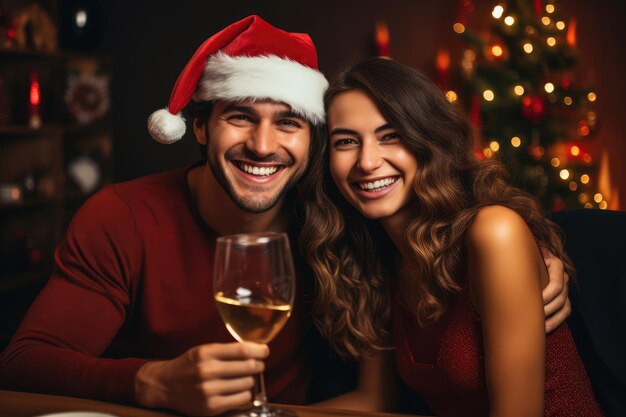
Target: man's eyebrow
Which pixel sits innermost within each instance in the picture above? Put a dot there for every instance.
(239, 108)
(289, 114)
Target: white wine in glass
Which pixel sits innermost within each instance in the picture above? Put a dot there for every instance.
(254, 288)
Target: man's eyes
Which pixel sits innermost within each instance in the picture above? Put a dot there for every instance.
(289, 123)
(239, 117)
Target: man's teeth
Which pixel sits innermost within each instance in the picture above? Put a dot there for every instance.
(262, 171)
(377, 185)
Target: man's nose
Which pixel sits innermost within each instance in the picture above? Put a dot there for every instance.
(263, 140)
(370, 157)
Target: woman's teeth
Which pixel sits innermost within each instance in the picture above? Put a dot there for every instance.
(376, 186)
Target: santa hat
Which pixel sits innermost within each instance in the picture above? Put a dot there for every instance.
(248, 60)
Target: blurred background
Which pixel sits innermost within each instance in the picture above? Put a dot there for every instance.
(541, 79)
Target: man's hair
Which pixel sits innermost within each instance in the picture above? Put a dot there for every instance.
(200, 110)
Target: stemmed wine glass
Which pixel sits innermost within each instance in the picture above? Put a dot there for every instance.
(254, 288)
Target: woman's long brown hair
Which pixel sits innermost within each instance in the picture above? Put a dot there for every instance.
(352, 257)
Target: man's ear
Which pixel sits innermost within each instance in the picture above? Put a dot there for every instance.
(200, 130)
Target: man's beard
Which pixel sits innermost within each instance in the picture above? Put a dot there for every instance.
(253, 204)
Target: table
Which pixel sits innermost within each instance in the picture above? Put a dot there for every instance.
(24, 404)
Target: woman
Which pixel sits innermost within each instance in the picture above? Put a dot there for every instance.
(425, 237)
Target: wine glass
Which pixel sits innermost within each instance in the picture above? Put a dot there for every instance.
(254, 288)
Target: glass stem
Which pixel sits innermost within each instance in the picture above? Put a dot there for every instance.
(260, 398)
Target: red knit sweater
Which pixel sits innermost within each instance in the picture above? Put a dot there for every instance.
(137, 260)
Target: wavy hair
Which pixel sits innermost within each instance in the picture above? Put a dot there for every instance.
(352, 256)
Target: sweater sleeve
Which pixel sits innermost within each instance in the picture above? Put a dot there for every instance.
(81, 309)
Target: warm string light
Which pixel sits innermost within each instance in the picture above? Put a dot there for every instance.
(519, 90)
(546, 20)
(488, 95)
(494, 146)
(573, 186)
(555, 162)
(583, 198)
(598, 197)
(551, 41)
(458, 27)
(592, 96)
(516, 141)
(549, 87)
(560, 25)
(509, 20)
(584, 179)
(575, 150)
(528, 47)
(451, 96)
(567, 100)
(583, 129)
(497, 51)
(564, 174)
(497, 11)
(550, 8)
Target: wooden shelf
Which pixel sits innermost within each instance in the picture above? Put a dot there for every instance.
(28, 53)
(23, 53)
(37, 203)
(21, 130)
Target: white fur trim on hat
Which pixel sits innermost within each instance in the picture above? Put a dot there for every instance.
(264, 77)
(165, 127)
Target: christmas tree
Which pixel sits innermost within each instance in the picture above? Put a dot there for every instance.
(516, 78)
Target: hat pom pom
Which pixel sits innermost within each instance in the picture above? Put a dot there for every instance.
(165, 127)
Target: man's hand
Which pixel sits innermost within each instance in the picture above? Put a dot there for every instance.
(204, 381)
(556, 304)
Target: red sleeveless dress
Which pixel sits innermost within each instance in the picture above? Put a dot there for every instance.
(444, 365)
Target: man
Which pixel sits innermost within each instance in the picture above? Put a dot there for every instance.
(137, 259)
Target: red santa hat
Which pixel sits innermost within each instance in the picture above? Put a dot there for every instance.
(248, 60)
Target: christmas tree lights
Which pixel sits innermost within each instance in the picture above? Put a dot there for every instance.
(517, 81)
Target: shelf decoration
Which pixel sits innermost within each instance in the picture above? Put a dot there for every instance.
(87, 97)
(34, 29)
(85, 173)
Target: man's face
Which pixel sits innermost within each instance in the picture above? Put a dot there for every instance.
(256, 151)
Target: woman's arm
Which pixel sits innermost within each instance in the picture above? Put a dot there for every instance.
(375, 388)
(506, 275)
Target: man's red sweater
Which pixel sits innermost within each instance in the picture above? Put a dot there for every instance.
(135, 267)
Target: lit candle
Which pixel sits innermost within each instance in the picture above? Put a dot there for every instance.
(382, 39)
(571, 32)
(34, 101)
(442, 64)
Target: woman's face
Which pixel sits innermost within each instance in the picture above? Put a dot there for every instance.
(372, 168)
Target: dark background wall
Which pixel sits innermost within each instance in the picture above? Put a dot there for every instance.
(151, 41)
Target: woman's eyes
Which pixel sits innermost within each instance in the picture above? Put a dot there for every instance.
(345, 142)
(390, 136)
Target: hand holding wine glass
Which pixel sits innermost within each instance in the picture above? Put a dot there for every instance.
(254, 289)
